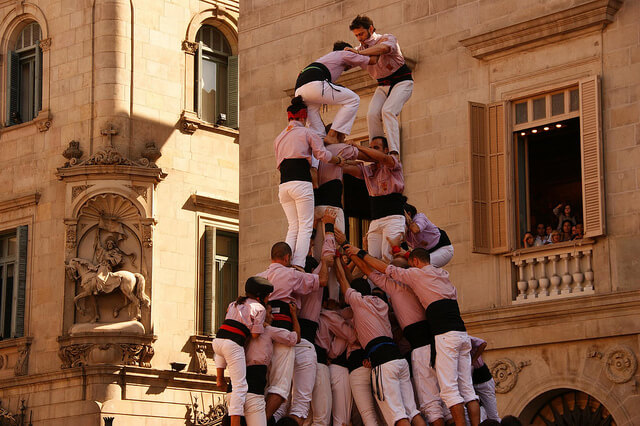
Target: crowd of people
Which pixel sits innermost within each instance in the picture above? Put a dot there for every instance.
(568, 229)
(331, 331)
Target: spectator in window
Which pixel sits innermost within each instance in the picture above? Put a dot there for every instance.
(528, 240)
(549, 231)
(565, 232)
(541, 235)
(563, 212)
(555, 237)
(579, 232)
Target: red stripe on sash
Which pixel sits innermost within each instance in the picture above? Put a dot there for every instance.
(282, 317)
(232, 330)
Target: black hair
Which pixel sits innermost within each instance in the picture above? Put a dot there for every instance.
(385, 144)
(511, 421)
(361, 21)
(280, 250)
(380, 294)
(565, 221)
(310, 264)
(410, 209)
(287, 421)
(297, 104)
(340, 45)
(361, 286)
(420, 254)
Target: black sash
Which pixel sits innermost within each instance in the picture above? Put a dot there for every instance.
(444, 316)
(418, 334)
(234, 331)
(313, 72)
(401, 74)
(481, 375)
(329, 194)
(295, 169)
(281, 315)
(321, 354)
(381, 350)
(386, 205)
(308, 329)
(257, 379)
(443, 241)
(341, 360)
(354, 361)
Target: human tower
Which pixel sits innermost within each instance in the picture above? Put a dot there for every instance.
(329, 323)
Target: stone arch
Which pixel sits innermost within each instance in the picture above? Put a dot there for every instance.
(219, 18)
(129, 195)
(16, 19)
(564, 406)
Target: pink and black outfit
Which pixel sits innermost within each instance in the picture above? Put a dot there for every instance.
(431, 238)
(483, 382)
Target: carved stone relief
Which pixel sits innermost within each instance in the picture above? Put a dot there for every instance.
(140, 190)
(77, 190)
(505, 373)
(620, 364)
(77, 355)
(22, 364)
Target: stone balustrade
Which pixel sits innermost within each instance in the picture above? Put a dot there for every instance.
(554, 271)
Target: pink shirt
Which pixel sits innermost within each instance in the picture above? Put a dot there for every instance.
(323, 336)
(387, 63)
(328, 171)
(383, 180)
(341, 60)
(427, 237)
(476, 342)
(287, 281)
(341, 331)
(311, 303)
(260, 350)
(297, 141)
(406, 305)
(250, 313)
(370, 315)
(429, 283)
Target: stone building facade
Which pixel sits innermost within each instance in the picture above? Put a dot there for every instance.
(517, 106)
(118, 207)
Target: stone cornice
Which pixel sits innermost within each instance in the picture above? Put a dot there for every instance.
(216, 206)
(595, 14)
(112, 171)
(19, 203)
(15, 343)
(189, 123)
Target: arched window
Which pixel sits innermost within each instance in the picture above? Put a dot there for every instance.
(216, 78)
(24, 68)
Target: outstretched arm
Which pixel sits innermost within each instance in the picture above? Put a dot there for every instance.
(378, 49)
(342, 278)
(371, 261)
(353, 171)
(378, 156)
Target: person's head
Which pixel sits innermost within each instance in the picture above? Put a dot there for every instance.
(566, 226)
(362, 27)
(510, 421)
(340, 45)
(555, 236)
(361, 286)
(310, 264)
(281, 253)
(380, 143)
(259, 288)
(400, 262)
(549, 229)
(410, 209)
(528, 239)
(540, 230)
(419, 258)
(297, 110)
(110, 243)
(580, 229)
(268, 317)
(574, 231)
(567, 210)
(380, 294)
(287, 421)
(490, 422)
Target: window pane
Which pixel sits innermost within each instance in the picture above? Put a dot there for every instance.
(521, 113)
(208, 86)
(574, 99)
(223, 88)
(27, 81)
(539, 108)
(227, 273)
(12, 244)
(8, 301)
(557, 104)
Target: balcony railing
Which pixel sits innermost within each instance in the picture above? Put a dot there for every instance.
(553, 271)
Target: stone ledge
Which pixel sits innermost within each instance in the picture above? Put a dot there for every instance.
(190, 122)
(213, 205)
(115, 348)
(595, 14)
(19, 203)
(42, 121)
(113, 172)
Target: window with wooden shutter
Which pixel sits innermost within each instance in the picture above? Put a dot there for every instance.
(13, 85)
(13, 281)
(21, 293)
(490, 233)
(232, 116)
(591, 148)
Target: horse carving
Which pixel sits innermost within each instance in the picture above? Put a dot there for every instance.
(93, 283)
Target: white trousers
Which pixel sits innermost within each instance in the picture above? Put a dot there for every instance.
(281, 370)
(487, 393)
(453, 367)
(296, 198)
(341, 391)
(332, 284)
(425, 383)
(360, 380)
(254, 410)
(441, 257)
(230, 355)
(321, 399)
(304, 377)
(393, 391)
(391, 227)
(318, 93)
(385, 108)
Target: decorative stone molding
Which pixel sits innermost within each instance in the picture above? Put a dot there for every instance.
(505, 373)
(43, 126)
(209, 418)
(19, 203)
(189, 123)
(189, 47)
(45, 44)
(200, 346)
(140, 190)
(620, 364)
(22, 364)
(214, 205)
(78, 189)
(72, 152)
(593, 15)
(114, 349)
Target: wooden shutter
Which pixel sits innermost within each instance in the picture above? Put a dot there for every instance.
(13, 87)
(209, 271)
(37, 90)
(232, 90)
(497, 177)
(479, 163)
(591, 149)
(197, 86)
(21, 293)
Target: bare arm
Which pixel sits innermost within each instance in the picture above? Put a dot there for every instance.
(342, 278)
(373, 60)
(371, 261)
(479, 352)
(378, 49)
(294, 319)
(353, 171)
(378, 156)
